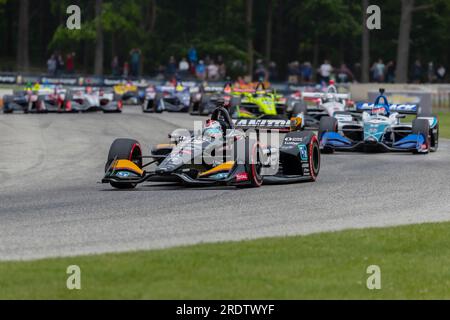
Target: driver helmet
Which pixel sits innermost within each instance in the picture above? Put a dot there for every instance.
(227, 89)
(213, 129)
(379, 109)
(179, 88)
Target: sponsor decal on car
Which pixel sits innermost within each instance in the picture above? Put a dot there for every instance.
(303, 152)
(262, 123)
(243, 176)
(123, 174)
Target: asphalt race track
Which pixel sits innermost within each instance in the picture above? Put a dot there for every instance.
(52, 205)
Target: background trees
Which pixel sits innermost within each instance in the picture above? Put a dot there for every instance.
(246, 30)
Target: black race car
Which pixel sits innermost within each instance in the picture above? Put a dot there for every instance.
(227, 152)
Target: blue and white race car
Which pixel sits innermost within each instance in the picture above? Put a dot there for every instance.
(171, 97)
(377, 127)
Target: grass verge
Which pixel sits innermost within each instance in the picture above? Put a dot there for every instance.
(444, 124)
(414, 262)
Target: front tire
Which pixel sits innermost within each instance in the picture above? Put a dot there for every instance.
(253, 166)
(327, 124)
(434, 140)
(422, 126)
(124, 149)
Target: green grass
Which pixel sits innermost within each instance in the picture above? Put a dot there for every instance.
(444, 124)
(414, 262)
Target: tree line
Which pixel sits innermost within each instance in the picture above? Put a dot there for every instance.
(247, 30)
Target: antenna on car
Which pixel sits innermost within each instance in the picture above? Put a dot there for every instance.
(382, 91)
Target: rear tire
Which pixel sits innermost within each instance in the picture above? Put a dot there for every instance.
(422, 126)
(299, 107)
(201, 105)
(156, 103)
(314, 158)
(327, 124)
(235, 102)
(124, 149)
(5, 104)
(434, 146)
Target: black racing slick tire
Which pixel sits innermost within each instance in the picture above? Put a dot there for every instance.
(124, 149)
(314, 158)
(327, 124)
(434, 139)
(422, 126)
(434, 132)
(299, 107)
(253, 165)
(5, 102)
(156, 103)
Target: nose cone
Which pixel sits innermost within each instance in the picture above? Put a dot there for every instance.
(162, 171)
(168, 166)
(371, 140)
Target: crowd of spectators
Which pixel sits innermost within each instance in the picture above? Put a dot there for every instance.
(58, 65)
(379, 72)
(215, 69)
(191, 66)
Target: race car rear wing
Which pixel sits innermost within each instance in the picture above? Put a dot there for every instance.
(281, 125)
(325, 95)
(400, 108)
(211, 89)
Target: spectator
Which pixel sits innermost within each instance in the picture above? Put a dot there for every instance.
(219, 60)
(59, 65)
(192, 56)
(293, 72)
(222, 67)
(213, 71)
(273, 72)
(160, 72)
(441, 72)
(237, 69)
(390, 72)
(52, 65)
(357, 71)
(207, 60)
(115, 66)
(261, 73)
(417, 72)
(183, 67)
(345, 75)
(70, 65)
(222, 71)
(135, 61)
(307, 72)
(171, 67)
(200, 70)
(431, 73)
(378, 70)
(126, 69)
(325, 71)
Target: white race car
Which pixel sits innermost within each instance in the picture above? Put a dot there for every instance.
(328, 104)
